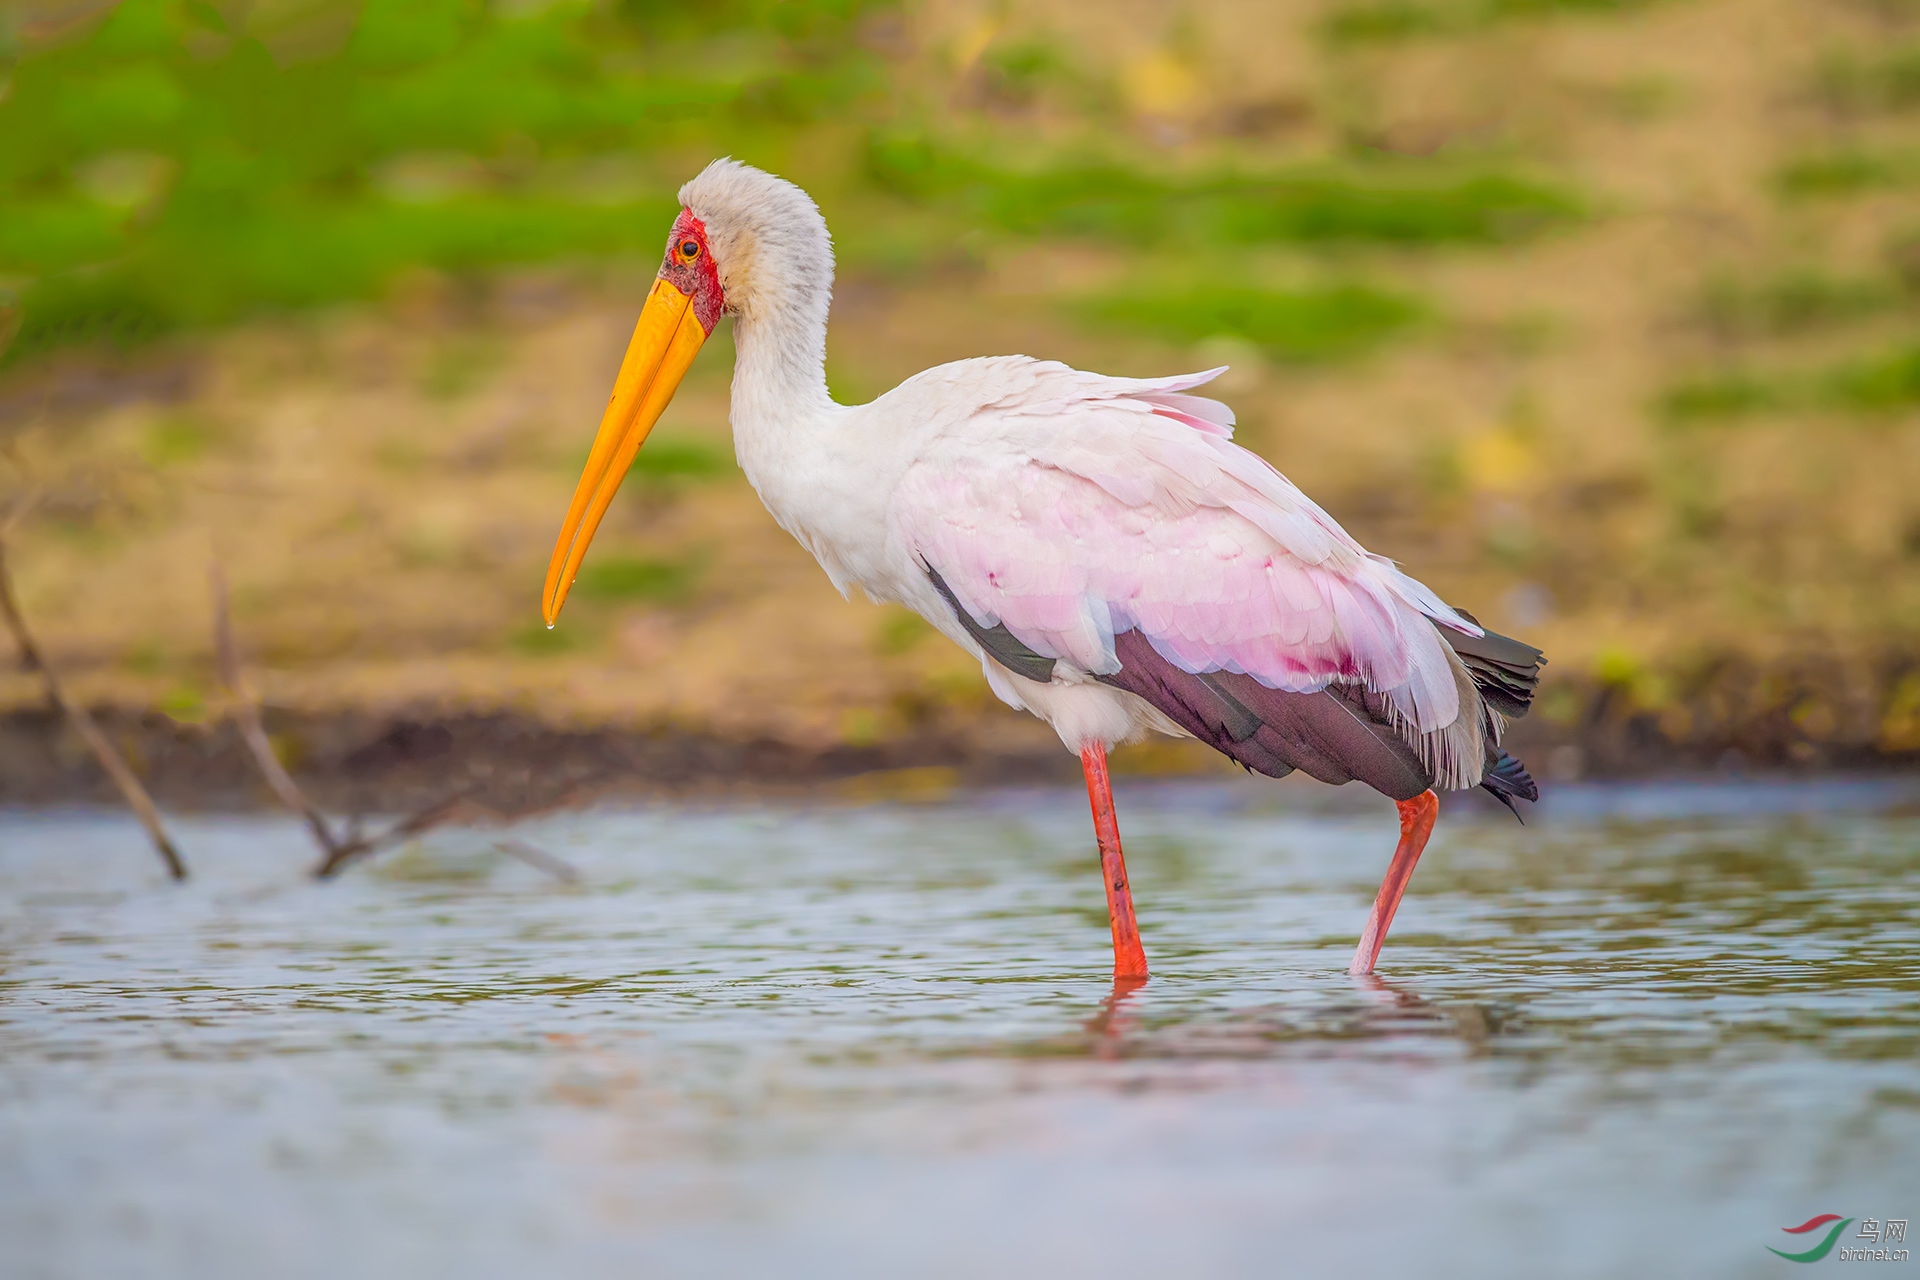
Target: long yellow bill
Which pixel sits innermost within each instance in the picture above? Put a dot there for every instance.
(664, 344)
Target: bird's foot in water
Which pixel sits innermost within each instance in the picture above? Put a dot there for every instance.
(1416, 824)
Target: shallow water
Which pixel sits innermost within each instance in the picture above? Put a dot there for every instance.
(1634, 1038)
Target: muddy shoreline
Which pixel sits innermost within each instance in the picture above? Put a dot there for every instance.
(508, 764)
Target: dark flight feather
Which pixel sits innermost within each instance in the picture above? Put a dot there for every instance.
(1338, 734)
(1507, 779)
(1505, 670)
(996, 640)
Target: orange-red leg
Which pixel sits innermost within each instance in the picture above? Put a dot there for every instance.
(1129, 959)
(1416, 824)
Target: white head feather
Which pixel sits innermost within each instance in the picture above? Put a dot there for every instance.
(775, 260)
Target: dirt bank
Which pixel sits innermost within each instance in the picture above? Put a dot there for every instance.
(1729, 717)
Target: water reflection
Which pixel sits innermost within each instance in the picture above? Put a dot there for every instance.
(1381, 1019)
(878, 1041)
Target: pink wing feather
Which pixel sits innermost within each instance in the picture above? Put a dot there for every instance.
(1087, 506)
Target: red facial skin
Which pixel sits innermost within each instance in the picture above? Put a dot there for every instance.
(694, 274)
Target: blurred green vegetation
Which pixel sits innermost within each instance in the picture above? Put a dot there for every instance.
(1797, 302)
(1406, 204)
(175, 440)
(1391, 21)
(1297, 326)
(1885, 384)
(1847, 171)
(1871, 386)
(900, 632)
(1888, 80)
(538, 640)
(1719, 396)
(669, 461)
(638, 578)
(179, 163)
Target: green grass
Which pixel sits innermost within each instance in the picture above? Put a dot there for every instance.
(1875, 386)
(637, 579)
(1888, 80)
(667, 462)
(185, 164)
(1796, 302)
(1845, 172)
(172, 441)
(1393, 21)
(1388, 23)
(537, 640)
(900, 632)
(1405, 205)
(1300, 326)
(1719, 397)
(178, 167)
(1888, 383)
(459, 366)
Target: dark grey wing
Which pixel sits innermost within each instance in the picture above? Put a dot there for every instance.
(1337, 735)
(1507, 780)
(1333, 735)
(999, 642)
(1507, 673)
(1505, 670)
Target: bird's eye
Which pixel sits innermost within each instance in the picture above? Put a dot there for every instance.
(689, 249)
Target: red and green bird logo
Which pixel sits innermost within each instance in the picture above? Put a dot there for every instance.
(1820, 1250)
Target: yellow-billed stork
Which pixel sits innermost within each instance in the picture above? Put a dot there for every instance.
(1117, 563)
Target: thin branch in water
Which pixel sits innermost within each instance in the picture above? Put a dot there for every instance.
(348, 845)
(246, 713)
(540, 859)
(405, 829)
(110, 759)
(336, 851)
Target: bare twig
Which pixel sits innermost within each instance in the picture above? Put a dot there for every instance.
(246, 713)
(540, 859)
(336, 849)
(110, 759)
(405, 829)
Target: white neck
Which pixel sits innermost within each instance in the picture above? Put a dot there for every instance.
(780, 362)
(785, 424)
(809, 458)
(781, 407)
